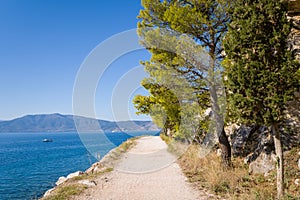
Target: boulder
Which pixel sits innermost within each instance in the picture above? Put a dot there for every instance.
(240, 137)
(48, 192)
(87, 183)
(250, 141)
(263, 164)
(61, 180)
(299, 163)
(75, 174)
(95, 168)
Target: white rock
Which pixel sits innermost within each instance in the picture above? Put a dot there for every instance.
(96, 167)
(297, 181)
(219, 152)
(263, 164)
(208, 112)
(299, 163)
(48, 192)
(75, 174)
(87, 183)
(61, 180)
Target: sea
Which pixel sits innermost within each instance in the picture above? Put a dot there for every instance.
(29, 166)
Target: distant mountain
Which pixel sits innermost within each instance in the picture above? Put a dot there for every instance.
(66, 123)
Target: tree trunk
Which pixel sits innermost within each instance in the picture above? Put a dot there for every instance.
(225, 149)
(279, 161)
(219, 122)
(215, 90)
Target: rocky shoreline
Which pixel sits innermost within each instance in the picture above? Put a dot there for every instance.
(95, 168)
(106, 164)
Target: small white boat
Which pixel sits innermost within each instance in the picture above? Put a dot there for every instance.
(47, 140)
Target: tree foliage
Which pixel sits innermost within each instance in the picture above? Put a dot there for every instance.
(179, 31)
(260, 70)
(162, 105)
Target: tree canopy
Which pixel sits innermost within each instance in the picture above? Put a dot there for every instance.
(184, 38)
(260, 69)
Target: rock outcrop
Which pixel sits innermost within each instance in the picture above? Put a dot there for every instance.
(95, 168)
(75, 174)
(98, 167)
(250, 141)
(255, 144)
(263, 164)
(61, 180)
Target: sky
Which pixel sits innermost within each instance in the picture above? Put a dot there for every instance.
(43, 45)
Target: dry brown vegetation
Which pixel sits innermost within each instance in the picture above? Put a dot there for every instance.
(66, 191)
(237, 183)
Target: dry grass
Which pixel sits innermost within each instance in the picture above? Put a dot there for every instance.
(178, 148)
(127, 145)
(64, 192)
(165, 138)
(235, 183)
(292, 172)
(72, 188)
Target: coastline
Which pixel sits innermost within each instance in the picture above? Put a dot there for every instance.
(80, 181)
(142, 174)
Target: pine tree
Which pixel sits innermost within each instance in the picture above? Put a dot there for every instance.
(205, 22)
(260, 70)
(161, 104)
(172, 103)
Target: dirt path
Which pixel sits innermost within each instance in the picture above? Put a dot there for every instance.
(147, 172)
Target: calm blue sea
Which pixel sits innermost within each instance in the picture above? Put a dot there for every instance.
(29, 167)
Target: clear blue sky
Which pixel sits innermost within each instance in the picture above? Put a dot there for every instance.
(44, 42)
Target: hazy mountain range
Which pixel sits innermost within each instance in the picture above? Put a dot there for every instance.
(66, 123)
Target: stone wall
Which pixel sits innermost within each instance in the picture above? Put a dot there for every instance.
(294, 16)
(293, 109)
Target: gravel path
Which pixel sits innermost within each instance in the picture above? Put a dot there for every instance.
(147, 172)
